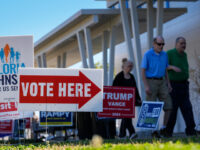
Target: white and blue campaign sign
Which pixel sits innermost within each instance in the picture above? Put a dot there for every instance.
(56, 118)
(15, 52)
(149, 114)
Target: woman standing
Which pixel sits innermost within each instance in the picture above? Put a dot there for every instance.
(126, 79)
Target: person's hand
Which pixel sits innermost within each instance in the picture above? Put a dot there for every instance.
(169, 87)
(176, 69)
(138, 102)
(148, 91)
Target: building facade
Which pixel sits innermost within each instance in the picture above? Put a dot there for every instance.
(127, 29)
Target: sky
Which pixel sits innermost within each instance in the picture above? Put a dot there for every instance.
(38, 17)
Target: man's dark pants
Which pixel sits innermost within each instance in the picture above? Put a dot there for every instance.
(126, 124)
(180, 99)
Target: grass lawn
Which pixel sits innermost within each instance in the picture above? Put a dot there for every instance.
(192, 143)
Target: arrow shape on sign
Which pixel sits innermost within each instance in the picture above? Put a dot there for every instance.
(57, 89)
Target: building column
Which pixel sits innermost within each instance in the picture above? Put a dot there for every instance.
(39, 61)
(133, 56)
(44, 62)
(159, 17)
(82, 49)
(105, 55)
(150, 23)
(61, 60)
(58, 61)
(64, 57)
(126, 28)
(87, 117)
(88, 41)
(137, 45)
(112, 56)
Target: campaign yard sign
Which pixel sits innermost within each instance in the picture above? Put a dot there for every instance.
(8, 110)
(149, 114)
(28, 123)
(15, 52)
(6, 128)
(56, 119)
(118, 102)
(60, 89)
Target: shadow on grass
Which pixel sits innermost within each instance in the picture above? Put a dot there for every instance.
(185, 140)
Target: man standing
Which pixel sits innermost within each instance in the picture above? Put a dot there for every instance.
(154, 74)
(178, 75)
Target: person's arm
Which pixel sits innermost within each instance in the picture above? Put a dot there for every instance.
(137, 95)
(146, 85)
(174, 68)
(116, 81)
(170, 66)
(168, 82)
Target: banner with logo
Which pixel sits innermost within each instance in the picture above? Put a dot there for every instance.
(56, 119)
(15, 52)
(118, 102)
(149, 114)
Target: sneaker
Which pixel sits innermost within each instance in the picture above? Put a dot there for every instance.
(155, 134)
(133, 136)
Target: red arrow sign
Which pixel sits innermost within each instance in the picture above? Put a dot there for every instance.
(57, 89)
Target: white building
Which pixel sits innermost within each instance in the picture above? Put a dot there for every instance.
(126, 28)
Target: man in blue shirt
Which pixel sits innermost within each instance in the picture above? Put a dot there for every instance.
(155, 77)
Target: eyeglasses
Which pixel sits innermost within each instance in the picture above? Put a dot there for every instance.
(130, 66)
(183, 43)
(160, 44)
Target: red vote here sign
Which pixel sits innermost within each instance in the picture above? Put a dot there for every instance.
(60, 89)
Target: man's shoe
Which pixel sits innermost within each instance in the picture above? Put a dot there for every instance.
(198, 132)
(162, 131)
(155, 134)
(122, 138)
(133, 136)
(192, 132)
(165, 133)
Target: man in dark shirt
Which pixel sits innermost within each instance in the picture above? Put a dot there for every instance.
(178, 75)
